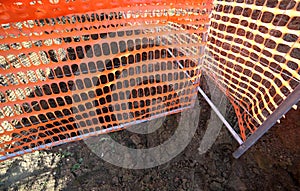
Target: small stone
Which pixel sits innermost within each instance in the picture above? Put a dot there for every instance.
(185, 184)
(226, 159)
(147, 178)
(236, 184)
(256, 171)
(135, 139)
(215, 186)
(115, 180)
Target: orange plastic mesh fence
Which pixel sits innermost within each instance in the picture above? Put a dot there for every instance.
(254, 55)
(72, 69)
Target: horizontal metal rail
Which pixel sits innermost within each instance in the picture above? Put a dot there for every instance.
(84, 136)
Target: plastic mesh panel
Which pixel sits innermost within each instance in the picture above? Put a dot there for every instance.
(68, 77)
(254, 55)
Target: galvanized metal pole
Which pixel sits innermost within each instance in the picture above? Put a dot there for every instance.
(227, 125)
(212, 105)
(282, 109)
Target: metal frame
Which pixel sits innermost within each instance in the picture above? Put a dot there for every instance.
(282, 109)
(95, 133)
(212, 105)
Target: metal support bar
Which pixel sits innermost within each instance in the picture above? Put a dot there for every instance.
(227, 125)
(282, 109)
(95, 133)
(212, 105)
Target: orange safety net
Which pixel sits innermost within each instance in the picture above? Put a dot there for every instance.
(254, 56)
(73, 69)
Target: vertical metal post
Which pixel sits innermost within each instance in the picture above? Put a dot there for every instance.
(282, 109)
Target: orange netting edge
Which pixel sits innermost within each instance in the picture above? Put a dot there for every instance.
(254, 53)
(185, 31)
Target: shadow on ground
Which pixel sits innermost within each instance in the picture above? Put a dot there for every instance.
(272, 164)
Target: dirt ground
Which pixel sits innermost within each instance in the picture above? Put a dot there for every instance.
(272, 164)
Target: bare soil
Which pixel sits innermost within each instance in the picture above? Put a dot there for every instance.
(272, 164)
